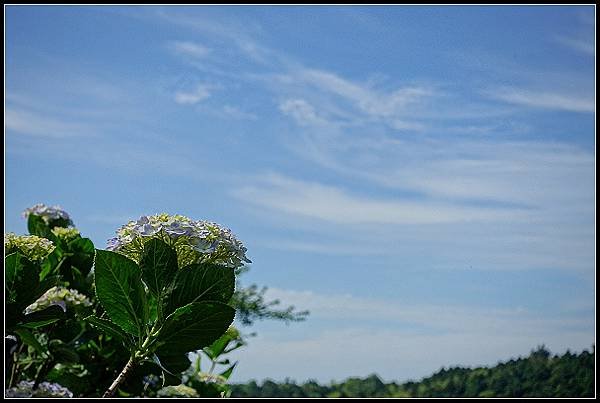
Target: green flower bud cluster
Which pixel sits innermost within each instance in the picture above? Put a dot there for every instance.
(66, 234)
(33, 247)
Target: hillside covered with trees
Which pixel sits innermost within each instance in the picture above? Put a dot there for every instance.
(538, 375)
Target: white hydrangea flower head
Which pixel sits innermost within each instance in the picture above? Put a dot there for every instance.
(66, 234)
(194, 241)
(67, 298)
(48, 213)
(44, 389)
(35, 248)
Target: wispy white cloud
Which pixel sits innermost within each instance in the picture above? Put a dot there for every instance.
(545, 100)
(507, 246)
(237, 113)
(579, 45)
(587, 15)
(198, 94)
(227, 112)
(93, 124)
(31, 123)
(445, 318)
(582, 37)
(408, 107)
(302, 111)
(496, 205)
(286, 76)
(188, 48)
(372, 102)
(323, 247)
(313, 96)
(333, 204)
(347, 102)
(524, 173)
(102, 90)
(228, 31)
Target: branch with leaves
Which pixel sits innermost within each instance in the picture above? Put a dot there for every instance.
(186, 309)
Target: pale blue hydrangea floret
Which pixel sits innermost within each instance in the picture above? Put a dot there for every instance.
(31, 246)
(44, 389)
(113, 244)
(194, 241)
(48, 213)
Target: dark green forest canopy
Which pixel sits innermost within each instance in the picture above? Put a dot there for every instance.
(538, 375)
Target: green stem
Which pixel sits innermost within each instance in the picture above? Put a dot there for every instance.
(14, 365)
(42, 372)
(57, 268)
(138, 356)
(110, 392)
(47, 364)
(150, 338)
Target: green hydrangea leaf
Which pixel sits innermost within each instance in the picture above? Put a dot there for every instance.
(120, 290)
(62, 352)
(201, 282)
(109, 328)
(29, 339)
(22, 279)
(224, 344)
(158, 264)
(52, 314)
(227, 373)
(83, 254)
(172, 362)
(194, 326)
(37, 226)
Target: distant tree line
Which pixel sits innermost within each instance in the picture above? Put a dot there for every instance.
(538, 375)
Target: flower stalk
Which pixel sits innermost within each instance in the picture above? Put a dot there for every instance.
(110, 392)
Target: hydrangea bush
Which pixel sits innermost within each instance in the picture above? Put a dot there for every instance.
(122, 321)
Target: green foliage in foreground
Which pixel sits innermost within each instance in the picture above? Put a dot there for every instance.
(539, 375)
(86, 322)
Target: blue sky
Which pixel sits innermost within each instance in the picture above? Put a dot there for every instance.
(422, 179)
